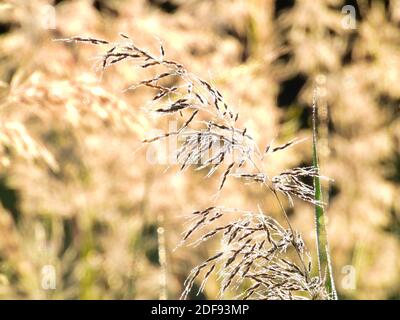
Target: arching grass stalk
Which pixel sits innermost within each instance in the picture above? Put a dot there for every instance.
(324, 261)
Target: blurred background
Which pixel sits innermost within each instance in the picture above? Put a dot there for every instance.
(83, 215)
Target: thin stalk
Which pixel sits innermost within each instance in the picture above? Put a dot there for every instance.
(270, 188)
(324, 261)
(293, 234)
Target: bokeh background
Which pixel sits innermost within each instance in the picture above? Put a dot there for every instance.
(80, 202)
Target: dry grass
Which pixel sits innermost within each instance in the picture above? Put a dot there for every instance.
(94, 215)
(212, 144)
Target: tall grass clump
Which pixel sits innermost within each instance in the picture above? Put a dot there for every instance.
(253, 259)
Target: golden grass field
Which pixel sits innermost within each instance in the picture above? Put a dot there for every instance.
(80, 200)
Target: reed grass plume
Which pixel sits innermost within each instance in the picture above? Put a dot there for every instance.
(254, 246)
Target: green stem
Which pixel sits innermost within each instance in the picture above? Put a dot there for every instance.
(324, 261)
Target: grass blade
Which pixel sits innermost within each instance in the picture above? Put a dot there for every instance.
(324, 262)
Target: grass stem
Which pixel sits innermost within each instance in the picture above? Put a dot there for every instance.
(324, 261)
